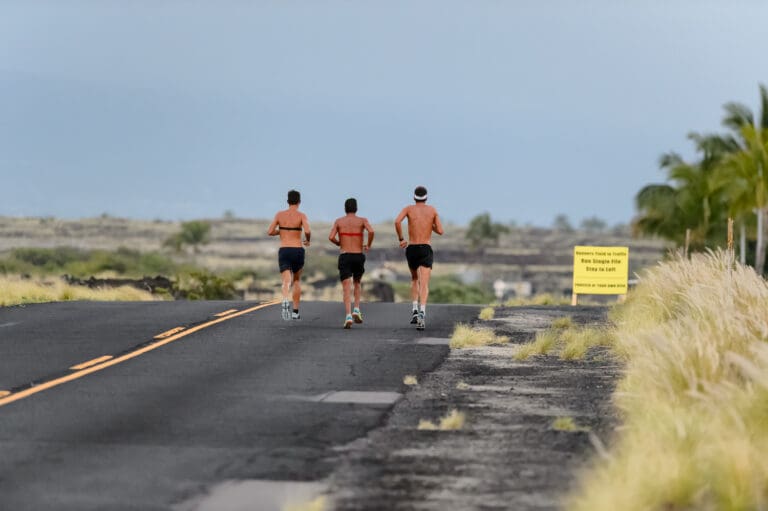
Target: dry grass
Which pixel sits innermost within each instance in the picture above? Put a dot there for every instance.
(578, 341)
(465, 336)
(544, 342)
(539, 299)
(564, 322)
(487, 313)
(15, 291)
(453, 421)
(410, 380)
(317, 504)
(568, 341)
(425, 425)
(693, 398)
(567, 424)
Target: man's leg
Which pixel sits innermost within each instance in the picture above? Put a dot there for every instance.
(286, 278)
(424, 274)
(346, 286)
(296, 293)
(356, 314)
(285, 275)
(415, 295)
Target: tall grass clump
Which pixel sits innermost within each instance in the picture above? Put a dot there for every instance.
(16, 291)
(465, 336)
(486, 313)
(693, 398)
(568, 341)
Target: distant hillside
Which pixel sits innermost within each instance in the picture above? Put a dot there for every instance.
(539, 256)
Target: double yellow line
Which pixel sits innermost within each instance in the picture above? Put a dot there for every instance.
(106, 361)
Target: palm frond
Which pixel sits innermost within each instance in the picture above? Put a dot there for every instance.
(737, 115)
(763, 107)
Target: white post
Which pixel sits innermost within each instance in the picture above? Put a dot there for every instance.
(743, 243)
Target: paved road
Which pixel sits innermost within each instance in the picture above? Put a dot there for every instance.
(235, 400)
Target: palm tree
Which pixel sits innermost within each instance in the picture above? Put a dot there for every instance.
(747, 170)
(693, 200)
(745, 179)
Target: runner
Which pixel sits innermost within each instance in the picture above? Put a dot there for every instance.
(422, 222)
(347, 233)
(288, 224)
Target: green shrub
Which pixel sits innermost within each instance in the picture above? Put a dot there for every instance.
(452, 290)
(448, 289)
(202, 285)
(84, 263)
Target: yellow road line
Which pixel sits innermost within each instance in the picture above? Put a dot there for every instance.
(91, 362)
(225, 313)
(109, 363)
(169, 333)
(4, 393)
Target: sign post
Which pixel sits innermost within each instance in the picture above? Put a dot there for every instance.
(600, 271)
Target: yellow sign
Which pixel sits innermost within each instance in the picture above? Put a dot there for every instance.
(600, 270)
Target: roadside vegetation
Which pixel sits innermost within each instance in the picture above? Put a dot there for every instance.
(448, 289)
(454, 420)
(15, 290)
(692, 336)
(538, 299)
(727, 178)
(486, 313)
(465, 336)
(567, 424)
(36, 275)
(84, 263)
(568, 341)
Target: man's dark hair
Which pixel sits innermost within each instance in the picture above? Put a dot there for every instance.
(350, 206)
(294, 197)
(420, 191)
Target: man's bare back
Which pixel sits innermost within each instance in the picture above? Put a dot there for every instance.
(347, 233)
(290, 222)
(423, 220)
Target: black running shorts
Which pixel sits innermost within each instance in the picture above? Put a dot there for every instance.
(290, 258)
(351, 265)
(419, 255)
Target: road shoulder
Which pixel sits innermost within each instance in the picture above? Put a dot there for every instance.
(508, 456)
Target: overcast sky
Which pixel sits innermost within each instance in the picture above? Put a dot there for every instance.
(523, 108)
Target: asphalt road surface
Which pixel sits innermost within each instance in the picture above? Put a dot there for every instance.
(144, 406)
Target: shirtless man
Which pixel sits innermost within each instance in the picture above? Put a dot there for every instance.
(288, 224)
(347, 234)
(422, 222)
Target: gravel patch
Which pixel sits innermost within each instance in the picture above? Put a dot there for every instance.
(507, 456)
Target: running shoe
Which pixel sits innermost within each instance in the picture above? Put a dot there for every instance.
(414, 317)
(348, 322)
(357, 315)
(286, 310)
(420, 324)
(295, 315)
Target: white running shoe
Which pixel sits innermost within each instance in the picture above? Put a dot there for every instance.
(348, 321)
(286, 310)
(295, 315)
(357, 315)
(420, 324)
(414, 316)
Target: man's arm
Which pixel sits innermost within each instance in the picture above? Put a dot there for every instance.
(399, 227)
(436, 225)
(367, 227)
(333, 236)
(273, 230)
(307, 230)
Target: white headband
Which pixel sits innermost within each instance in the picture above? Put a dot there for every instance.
(420, 197)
